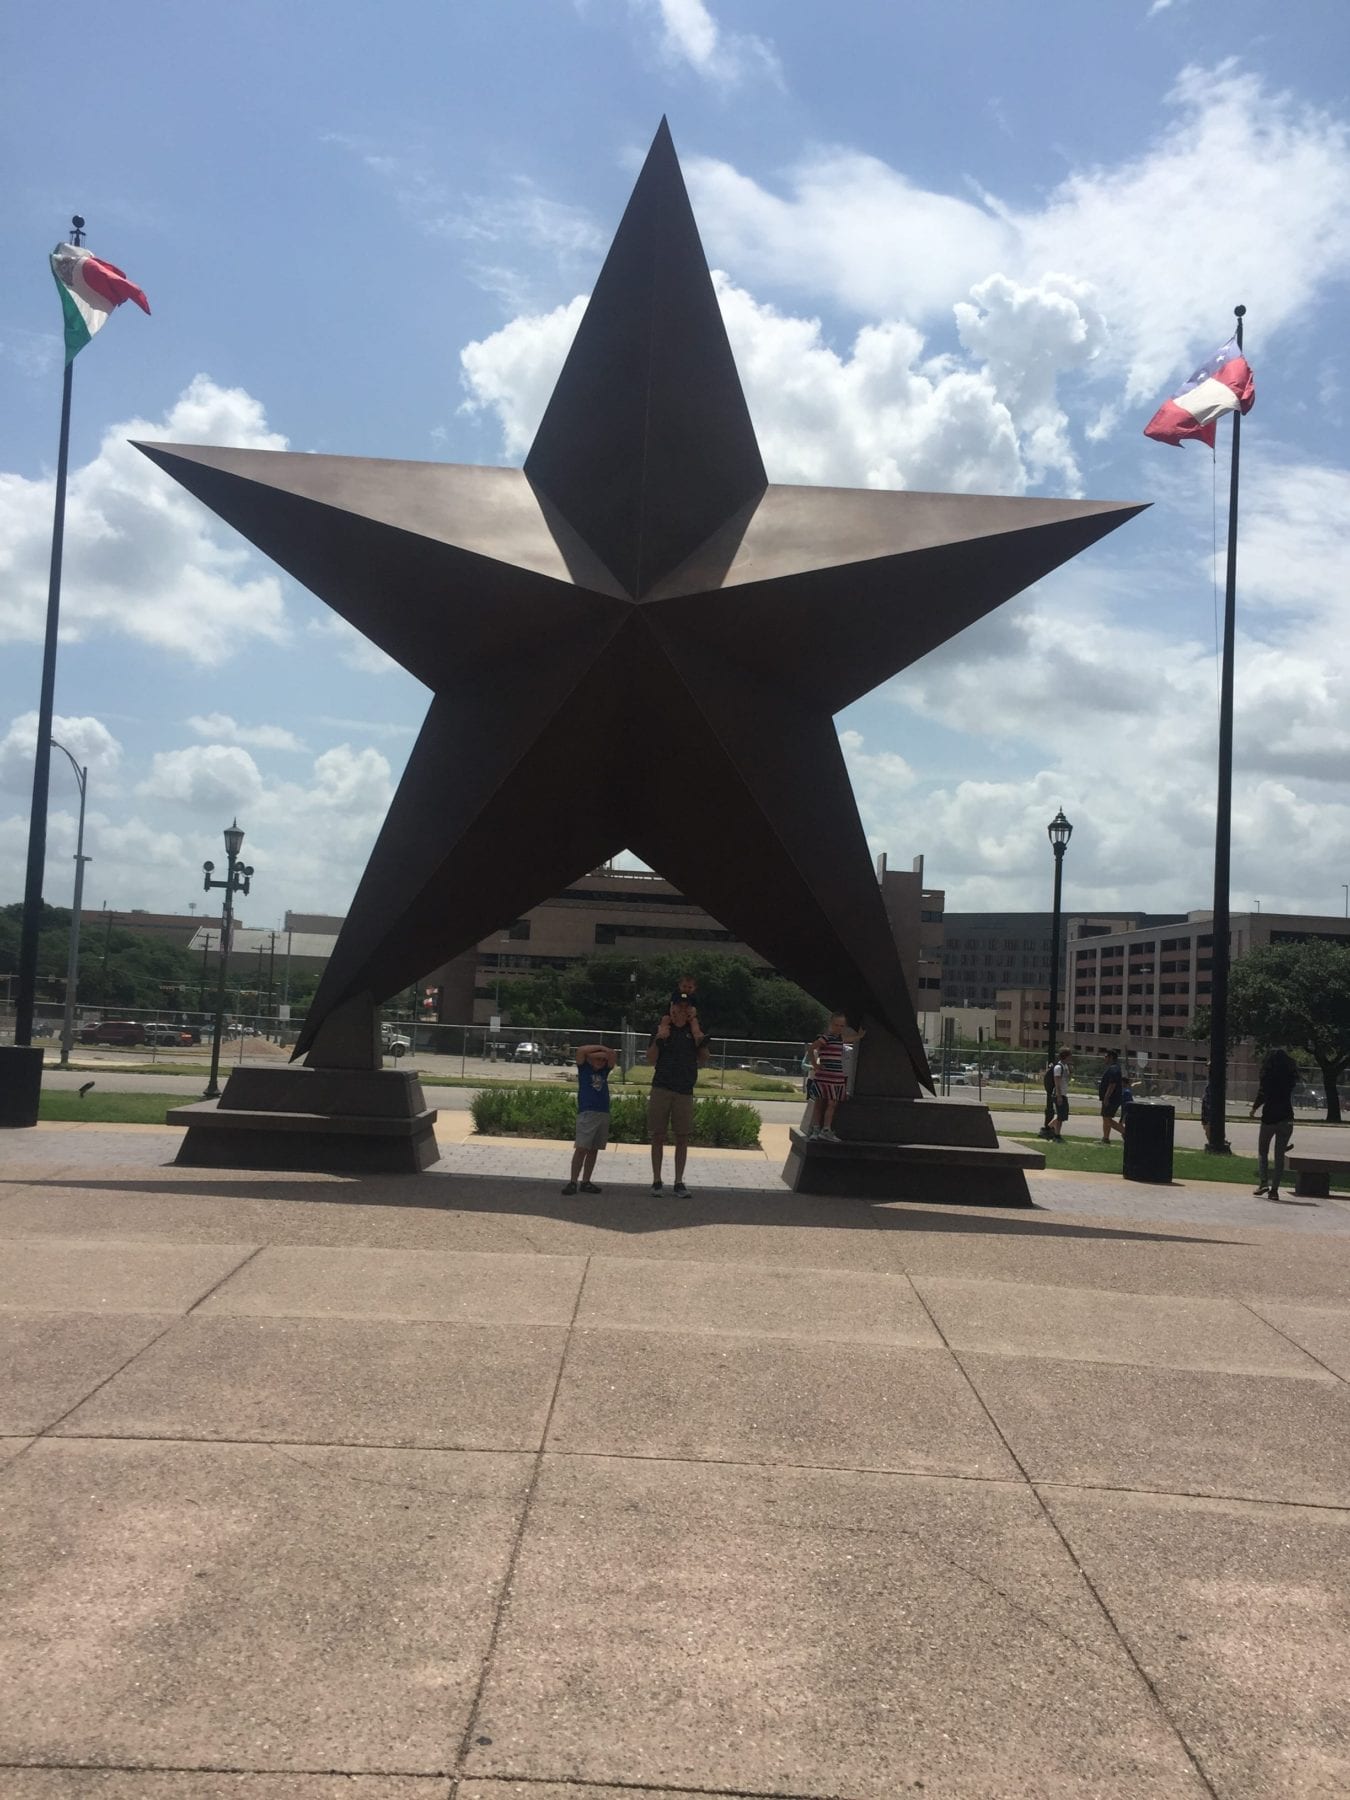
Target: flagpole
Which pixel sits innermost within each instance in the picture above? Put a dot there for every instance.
(42, 761)
(1217, 1139)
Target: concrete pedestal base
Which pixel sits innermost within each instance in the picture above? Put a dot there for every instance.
(329, 1121)
(20, 1085)
(942, 1151)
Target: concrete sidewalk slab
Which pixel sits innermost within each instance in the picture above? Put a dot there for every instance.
(53, 1360)
(1096, 1325)
(1239, 1616)
(759, 1631)
(69, 1276)
(743, 1300)
(334, 1381)
(240, 1607)
(1184, 1431)
(798, 1403)
(467, 1287)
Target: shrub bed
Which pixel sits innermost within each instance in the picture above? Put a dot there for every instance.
(548, 1113)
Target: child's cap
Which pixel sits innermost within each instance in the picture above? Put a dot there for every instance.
(679, 999)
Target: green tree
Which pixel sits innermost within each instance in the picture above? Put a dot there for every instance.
(1297, 995)
(736, 997)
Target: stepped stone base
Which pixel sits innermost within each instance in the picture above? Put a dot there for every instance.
(328, 1121)
(946, 1152)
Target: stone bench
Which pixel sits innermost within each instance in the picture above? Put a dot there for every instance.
(1316, 1173)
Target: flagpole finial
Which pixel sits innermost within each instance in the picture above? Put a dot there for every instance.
(76, 230)
(1240, 312)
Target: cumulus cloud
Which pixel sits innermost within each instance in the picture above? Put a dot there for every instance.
(882, 414)
(209, 778)
(308, 839)
(143, 559)
(512, 372)
(222, 729)
(89, 741)
(691, 37)
(848, 227)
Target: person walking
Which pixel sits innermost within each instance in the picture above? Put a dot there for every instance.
(1111, 1093)
(1275, 1097)
(594, 1062)
(677, 1051)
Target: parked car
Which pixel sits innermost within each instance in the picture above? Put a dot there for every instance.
(762, 1067)
(113, 1031)
(527, 1052)
(159, 1031)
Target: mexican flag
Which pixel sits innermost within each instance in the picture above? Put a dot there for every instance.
(89, 291)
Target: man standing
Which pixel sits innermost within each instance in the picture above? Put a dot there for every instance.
(1110, 1091)
(1275, 1097)
(677, 1051)
(1060, 1096)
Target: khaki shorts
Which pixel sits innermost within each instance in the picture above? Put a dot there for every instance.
(665, 1108)
(592, 1129)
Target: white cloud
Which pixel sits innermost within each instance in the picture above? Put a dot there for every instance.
(692, 37)
(308, 840)
(1026, 338)
(222, 729)
(849, 228)
(89, 741)
(1295, 529)
(209, 778)
(142, 558)
(513, 371)
(882, 415)
(353, 649)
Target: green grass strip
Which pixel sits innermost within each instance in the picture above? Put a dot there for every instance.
(1084, 1154)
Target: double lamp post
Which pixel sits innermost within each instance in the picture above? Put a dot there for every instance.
(237, 878)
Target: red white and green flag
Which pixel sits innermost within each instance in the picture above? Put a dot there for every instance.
(90, 290)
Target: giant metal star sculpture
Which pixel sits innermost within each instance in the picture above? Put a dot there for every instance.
(635, 641)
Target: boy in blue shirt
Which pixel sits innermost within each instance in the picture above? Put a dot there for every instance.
(594, 1062)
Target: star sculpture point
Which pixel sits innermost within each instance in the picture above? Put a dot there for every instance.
(636, 641)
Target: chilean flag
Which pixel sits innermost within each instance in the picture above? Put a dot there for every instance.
(1222, 385)
(90, 291)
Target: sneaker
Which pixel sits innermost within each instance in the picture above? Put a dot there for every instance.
(680, 1191)
(809, 1131)
(657, 1186)
(827, 1136)
(1259, 1190)
(571, 1188)
(589, 1187)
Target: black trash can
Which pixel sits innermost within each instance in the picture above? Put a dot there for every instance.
(1148, 1141)
(20, 1084)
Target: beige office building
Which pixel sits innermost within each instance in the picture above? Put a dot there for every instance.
(1139, 990)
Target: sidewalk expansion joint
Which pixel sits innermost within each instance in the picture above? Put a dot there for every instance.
(1091, 1586)
(1254, 1310)
(504, 1597)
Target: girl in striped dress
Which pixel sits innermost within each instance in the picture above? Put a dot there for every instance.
(828, 1084)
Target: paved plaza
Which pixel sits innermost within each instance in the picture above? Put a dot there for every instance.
(446, 1486)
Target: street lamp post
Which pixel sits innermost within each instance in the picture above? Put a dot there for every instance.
(237, 878)
(73, 961)
(1060, 831)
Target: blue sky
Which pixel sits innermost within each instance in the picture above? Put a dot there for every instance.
(963, 247)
